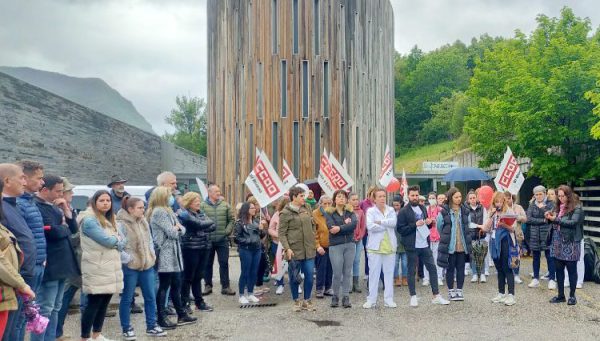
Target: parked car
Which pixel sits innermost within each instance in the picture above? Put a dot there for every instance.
(81, 194)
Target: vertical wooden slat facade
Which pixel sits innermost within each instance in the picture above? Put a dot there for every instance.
(355, 38)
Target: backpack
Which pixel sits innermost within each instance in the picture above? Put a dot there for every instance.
(591, 261)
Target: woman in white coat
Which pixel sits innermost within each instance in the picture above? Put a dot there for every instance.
(381, 249)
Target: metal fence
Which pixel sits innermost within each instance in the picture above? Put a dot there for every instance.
(590, 199)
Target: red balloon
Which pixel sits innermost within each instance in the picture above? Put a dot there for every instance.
(485, 196)
(393, 186)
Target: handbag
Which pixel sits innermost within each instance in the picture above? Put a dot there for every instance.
(294, 271)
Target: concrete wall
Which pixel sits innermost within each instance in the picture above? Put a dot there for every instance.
(82, 144)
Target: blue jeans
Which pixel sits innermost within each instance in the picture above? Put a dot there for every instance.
(356, 265)
(274, 254)
(307, 267)
(324, 271)
(537, 258)
(70, 291)
(249, 261)
(146, 279)
(401, 257)
(50, 300)
(18, 332)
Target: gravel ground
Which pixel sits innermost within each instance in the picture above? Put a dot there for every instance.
(474, 319)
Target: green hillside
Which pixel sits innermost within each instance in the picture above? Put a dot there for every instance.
(412, 159)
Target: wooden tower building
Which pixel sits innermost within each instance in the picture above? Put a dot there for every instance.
(292, 77)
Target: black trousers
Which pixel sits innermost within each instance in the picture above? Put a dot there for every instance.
(222, 251)
(262, 267)
(92, 318)
(194, 267)
(560, 276)
(456, 264)
(424, 256)
(505, 273)
(172, 281)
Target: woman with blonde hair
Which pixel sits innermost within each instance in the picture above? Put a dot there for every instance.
(502, 241)
(101, 271)
(166, 231)
(195, 245)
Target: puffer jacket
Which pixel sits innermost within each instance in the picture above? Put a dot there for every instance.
(476, 218)
(139, 246)
(14, 222)
(33, 217)
(346, 233)
(10, 260)
(297, 232)
(449, 220)
(167, 240)
(538, 226)
(248, 235)
(101, 269)
(197, 230)
(221, 214)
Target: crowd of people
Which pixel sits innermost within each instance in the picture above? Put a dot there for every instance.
(166, 246)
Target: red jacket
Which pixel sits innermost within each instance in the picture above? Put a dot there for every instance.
(432, 213)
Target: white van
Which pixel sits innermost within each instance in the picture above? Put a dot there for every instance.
(81, 194)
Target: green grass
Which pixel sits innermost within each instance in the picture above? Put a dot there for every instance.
(412, 159)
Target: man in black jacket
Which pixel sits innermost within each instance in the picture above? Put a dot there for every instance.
(62, 263)
(413, 224)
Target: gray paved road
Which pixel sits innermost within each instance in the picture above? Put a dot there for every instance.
(532, 318)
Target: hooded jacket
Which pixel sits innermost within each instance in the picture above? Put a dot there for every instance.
(297, 232)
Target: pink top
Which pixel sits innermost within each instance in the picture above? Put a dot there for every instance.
(361, 227)
(432, 213)
(274, 227)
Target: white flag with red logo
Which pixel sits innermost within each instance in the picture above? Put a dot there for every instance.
(339, 176)
(509, 177)
(289, 180)
(387, 169)
(404, 187)
(324, 178)
(264, 183)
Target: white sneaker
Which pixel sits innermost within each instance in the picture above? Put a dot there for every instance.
(414, 302)
(244, 300)
(551, 285)
(579, 285)
(468, 271)
(440, 300)
(368, 305)
(440, 283)
(487, 273)
(101, 338)
(510, 300)
(499, 298)
(474, 279)
(299, 289)
(425, 283)
(567, 284)
(390, 305)
(279, 290)
(518, 279)
(482, 278)
(253, 299)
(535, 283)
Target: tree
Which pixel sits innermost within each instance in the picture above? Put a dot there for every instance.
(189, 121)
(528, 93)
(448, 119)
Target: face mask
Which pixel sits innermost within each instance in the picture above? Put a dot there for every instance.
(432, 202)
(171, 201)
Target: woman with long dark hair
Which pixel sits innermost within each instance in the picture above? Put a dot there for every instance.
(567, 233)
(100, 262)
(455, 242)
(247, 235)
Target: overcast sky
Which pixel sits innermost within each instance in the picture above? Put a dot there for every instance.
(153, 50)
